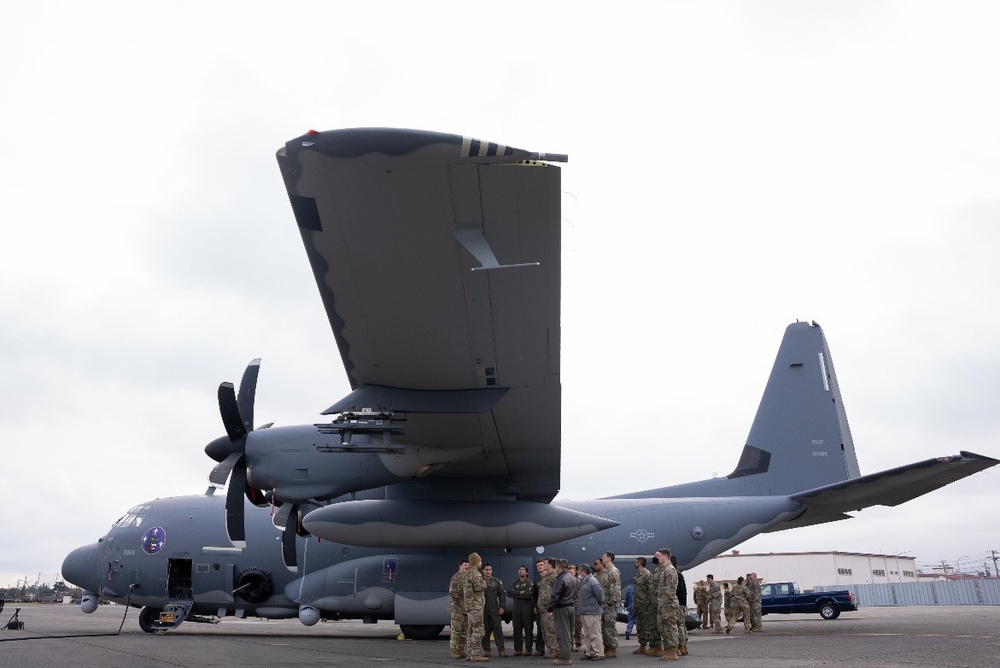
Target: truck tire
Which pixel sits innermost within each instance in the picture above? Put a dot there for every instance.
(828, 610)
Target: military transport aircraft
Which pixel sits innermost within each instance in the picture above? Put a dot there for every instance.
(437, 258)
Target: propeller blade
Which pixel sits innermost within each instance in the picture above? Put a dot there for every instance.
(288, 551)
(234, 503)
(280, 517)
(248, 389)
(230, 412)
(300, 512)
(221, 472)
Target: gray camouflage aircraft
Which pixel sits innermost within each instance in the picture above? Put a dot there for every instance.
(437, 259)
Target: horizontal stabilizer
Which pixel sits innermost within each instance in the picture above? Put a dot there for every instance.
(807, 520)
(886, 488)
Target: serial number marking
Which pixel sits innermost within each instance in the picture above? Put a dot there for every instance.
(128, 553)
(819, 454)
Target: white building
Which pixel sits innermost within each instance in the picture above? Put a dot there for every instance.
(808, 569)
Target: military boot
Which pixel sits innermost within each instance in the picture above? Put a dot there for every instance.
(669, 654)
(641, 649)
(611, 653)
(654, 651)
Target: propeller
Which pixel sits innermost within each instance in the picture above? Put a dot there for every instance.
(230, 450)
(289, 517)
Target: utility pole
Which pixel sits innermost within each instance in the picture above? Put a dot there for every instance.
(994, 555)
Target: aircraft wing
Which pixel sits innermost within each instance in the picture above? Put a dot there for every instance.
(887, 488)
(437, 258)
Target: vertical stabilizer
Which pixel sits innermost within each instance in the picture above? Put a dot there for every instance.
(799, 439)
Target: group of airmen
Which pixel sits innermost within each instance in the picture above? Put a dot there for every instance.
(569, 606)
(577, 606)
(742, 600)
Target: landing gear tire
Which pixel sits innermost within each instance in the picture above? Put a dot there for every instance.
(421, 631)
(146, 618)
(829, 611)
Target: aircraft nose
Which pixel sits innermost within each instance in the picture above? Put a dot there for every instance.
(80, 567)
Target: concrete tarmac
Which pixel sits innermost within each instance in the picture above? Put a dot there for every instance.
(921, 637)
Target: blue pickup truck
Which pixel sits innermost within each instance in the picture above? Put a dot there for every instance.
(785, 597)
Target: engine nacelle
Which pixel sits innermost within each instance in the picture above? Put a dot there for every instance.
(308, 462)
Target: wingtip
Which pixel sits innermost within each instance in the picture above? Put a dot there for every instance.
(965, 454)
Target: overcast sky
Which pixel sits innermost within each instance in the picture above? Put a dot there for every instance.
(733, 167)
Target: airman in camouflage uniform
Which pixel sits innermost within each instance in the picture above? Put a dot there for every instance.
(682, 597)
(756, 618)
(714, 604)
(577, 619)
(727, 604)
(541, 566)
(474, 592)
(547, 621)
(644, 601)
(668, 608)
(456, 606)
(740, 605)
(611, 582)
(701, 602)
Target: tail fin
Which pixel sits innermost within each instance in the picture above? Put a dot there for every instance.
(800, 438)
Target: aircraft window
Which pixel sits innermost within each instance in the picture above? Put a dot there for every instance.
(132, 518)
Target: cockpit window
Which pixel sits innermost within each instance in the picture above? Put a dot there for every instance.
(132, 518)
